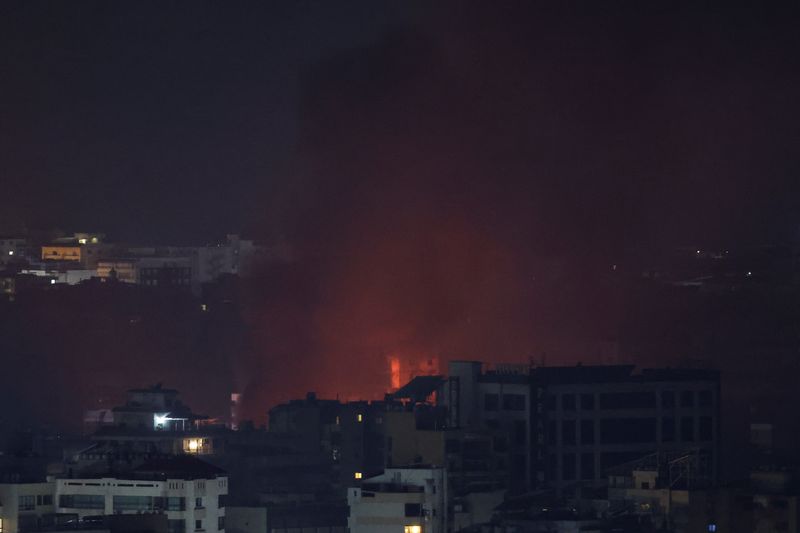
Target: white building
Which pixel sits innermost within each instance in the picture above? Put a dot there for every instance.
(190, 492)
(411, 500)
(23, 504)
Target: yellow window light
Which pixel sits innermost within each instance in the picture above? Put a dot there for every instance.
(358, 475)
(360, 417)
(412, 529)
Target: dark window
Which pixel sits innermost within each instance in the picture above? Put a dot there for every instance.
(520, 432)
(26, 503)
(135, 503)
(587, 466)
(612, 459)
(627, 400)
(668, 399)
(587, 402)
(413, 509)
(568, 436)
(221, 523)
(198, 503)
(667, 429)
(705, 429)
(222, 500)
(568, 470)
(587, 431)
(627, 430)
(500, 444)
(687, 398)
(568, 402)
(687, 429)
(514, 402)
(452, 446)
(552, 432)
(550, 466)
(550, 402)
(491, 402)
(198, 524)
(492, 424)
(704, 398)
(176, 526)
(176, 503)
(779, 503)
(82, 501)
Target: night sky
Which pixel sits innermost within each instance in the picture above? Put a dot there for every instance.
(455, 179)
(598, 122)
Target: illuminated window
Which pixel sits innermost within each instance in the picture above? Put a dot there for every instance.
(192, 445)
(360, 417)
(10, 252)
(357, 475)
(412, 529)
(82, 241)
(337, 420)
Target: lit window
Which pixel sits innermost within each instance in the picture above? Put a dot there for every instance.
(11, 252)
(203, 307)
(412, 529)
(360, 417)
(358, 475)
(337, 420)
(82, 241)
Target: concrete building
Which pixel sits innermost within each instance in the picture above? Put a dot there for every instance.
(23, 505)
(591, 419)
(412, 500)
(151, 271)
(498, 403)
(564, 427)
(190, 492)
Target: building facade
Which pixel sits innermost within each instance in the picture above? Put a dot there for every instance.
(192, 494)
(411, 500)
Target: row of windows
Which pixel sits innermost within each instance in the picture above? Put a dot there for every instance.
(629, 400)
(631, 430)
(82, 501)
(511, 402)
(149, 503)
(30, 502)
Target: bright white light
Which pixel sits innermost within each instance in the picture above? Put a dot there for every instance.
(160, 420)
(749, 273)
(11, 252)
(82, 241)
(52, 282)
